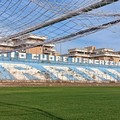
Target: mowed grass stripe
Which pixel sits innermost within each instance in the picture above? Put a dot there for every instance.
(60, 103)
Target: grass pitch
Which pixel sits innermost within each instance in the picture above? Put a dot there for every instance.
(60, 103)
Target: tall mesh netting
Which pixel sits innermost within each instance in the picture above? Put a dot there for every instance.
(58, 20)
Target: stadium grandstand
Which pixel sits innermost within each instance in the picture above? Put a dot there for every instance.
(30, 31)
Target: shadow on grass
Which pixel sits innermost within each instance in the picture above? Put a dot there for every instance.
(32, 109)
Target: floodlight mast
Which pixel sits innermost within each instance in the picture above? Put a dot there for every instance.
(61, 18)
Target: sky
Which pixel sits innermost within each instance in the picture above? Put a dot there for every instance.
(18, 15)
(108, 38)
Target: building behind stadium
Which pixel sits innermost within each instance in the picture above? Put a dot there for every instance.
(90, 52)
(43, 62)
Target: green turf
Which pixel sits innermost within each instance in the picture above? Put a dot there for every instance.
(80, 103)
